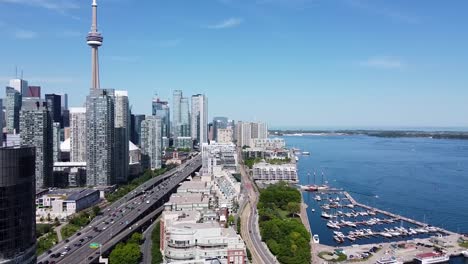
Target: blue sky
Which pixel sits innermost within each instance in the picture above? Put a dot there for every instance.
(315, 63)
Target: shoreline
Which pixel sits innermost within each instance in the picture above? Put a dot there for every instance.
(405, 255)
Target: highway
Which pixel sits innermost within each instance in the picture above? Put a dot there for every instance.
(249, 224)
(122, 217)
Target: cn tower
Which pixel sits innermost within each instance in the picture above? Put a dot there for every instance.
(94, 40)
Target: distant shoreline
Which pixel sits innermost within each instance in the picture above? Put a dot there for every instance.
(463, 135)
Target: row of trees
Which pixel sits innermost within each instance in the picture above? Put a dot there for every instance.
(46, 238)
(281, 229)
(129, 252)
(156, 256)
(79, 221)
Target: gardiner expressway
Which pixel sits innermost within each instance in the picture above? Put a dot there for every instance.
(120, 219)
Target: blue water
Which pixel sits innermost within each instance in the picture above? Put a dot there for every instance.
(420, 178)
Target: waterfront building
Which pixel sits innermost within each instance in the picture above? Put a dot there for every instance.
(185, 238)
(36, 130)
(268, 143)
(77, 134)
(135, 128)
(100, 137)
(199, 118)
(13, 100)
(56, 141)
(272, 173)
(17, 210)
(225, 135)
(161, 109)
(151, 142)
(55, 105)
(259, 130)
(122, 129)
(244, 133)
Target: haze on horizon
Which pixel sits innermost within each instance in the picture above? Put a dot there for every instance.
(292, 63)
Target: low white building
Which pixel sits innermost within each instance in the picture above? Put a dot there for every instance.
(267, 172)
(63, 203)
(268, 143)
(188, 202)
(217, 154)
(184, 239)
(227, 188)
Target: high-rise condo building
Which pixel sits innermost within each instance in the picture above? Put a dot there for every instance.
(176, 118)
(135, 128)
(17, 205)
(161, 109)
(36, 130)
(219, 123)
(122, 135)
(151, 141)
(56, 141)
(13, 102)
(244, 133)
(199, 118)
(55, 105)
(184, 126)
(259, 130)
(1, 122)
(100, 137)
(78, 134)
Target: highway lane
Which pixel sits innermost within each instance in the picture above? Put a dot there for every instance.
(119, 216)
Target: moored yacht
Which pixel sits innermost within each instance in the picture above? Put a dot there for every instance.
(388, 260)
(431, 258)
(316, 239)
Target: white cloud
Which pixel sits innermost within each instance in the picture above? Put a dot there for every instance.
(25, 34)
(228, 23)
(383, 62)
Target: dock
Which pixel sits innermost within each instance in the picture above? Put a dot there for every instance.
(392, 215)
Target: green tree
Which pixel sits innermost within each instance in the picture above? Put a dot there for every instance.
(48, 217)
(231, 220)
(56, 221)
(96, 210)
(136, 238)
(294, 208)
(125, 254)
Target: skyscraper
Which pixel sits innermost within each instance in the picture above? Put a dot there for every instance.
(33, 91)
(94, 40)
(36, 130)
(177, 96)
(55, 105)
(151, 141)
(1, 122)
(161, 109)
(122, 135)
(13, 102)
(219, 123)
(136, 128)
(244, 133)
(78, 134)
(56, 141)
(199, 118)
(20, 85)
(100, 137)
(18, 209)
(184, 117)
(259, 130)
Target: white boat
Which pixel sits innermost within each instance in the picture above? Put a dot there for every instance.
(325, 215)
(316, 239)
(305, 153)
(318, 198)
(390, 260)
(431, 258)
(297, 158)
(465, 253)
(313, 210)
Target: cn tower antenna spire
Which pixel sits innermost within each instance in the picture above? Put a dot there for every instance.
(94, 40)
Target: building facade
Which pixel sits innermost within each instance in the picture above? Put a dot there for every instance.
(225, 135)
(199, 118)
(273, 173)
(13, 100)
(151, 142)
(17, 209)
(219, 123)
(161, 109)
(55, 105)
(135, 127)
(56, 142)
(78, 134)
(20, 85)
(33, 91)
(122, 135)
(36, 130)
(100, 138)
